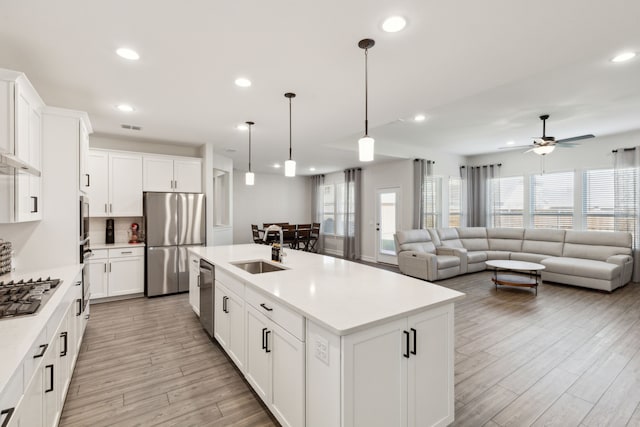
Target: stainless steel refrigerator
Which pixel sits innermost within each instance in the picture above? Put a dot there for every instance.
(174, 222)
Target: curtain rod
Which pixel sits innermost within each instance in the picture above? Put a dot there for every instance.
(624, 149)
(432, 161)
(483, 166)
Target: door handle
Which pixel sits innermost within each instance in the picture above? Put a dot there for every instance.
(35, 204)
(224, 304)
(198, 280)
(88, 180)
(406, 340)
(263, 305)
(47, 390)
(111, 207)
(264, 346)
(79, 312)
(415, 341)
(105, 208)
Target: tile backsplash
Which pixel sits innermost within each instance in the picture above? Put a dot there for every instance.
(122, 225)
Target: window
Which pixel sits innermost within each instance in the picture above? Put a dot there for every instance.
(598, 199)
(626, 187)
(335, 208)
(508, 207)
(329, 209)
(552, 200)
(432, 196)
(455, 196)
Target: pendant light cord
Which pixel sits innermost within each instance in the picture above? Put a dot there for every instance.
(366, 93)
(249, 148)
(289, 128)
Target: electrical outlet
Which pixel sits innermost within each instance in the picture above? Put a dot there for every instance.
(322, 349)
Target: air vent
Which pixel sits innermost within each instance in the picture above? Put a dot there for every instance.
(131, 127)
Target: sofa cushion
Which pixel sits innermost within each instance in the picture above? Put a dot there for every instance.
(473, 238)
(543, 241)
(582, 267)
(505, 239)
(528, 257)
(498, 254)
(478, 256)
(596, 245)
(449, 237)
(415, 240)
(447, 261)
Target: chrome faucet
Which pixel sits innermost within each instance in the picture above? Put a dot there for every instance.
(277, 228)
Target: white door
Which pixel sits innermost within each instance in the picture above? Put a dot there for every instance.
(126, 275)
(221, 319)
(235, 314)
(188, 176)
(258, 362)
(388, 221)
(431, 401)
(157, 174)
(125, 184)
(375, 376)
(98, 278)
(288, 374)
(99, 188)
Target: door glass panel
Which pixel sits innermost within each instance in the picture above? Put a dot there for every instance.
(387, 206)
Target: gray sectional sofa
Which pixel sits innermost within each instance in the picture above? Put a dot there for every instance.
(593, 259)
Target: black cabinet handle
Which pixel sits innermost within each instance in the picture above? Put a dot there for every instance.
(64, 335)
(8, 413)
(50, 378)
(266, 342)
(88, 180)
(264, 346)
(224, 304)
(79, 312)
(265, 307)
(415, 340)
(35, 204)
(406, 339)
(43, 350)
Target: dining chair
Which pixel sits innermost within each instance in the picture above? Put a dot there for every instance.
(257, 234)
(303, 237)
(289, 235)
(314, 236)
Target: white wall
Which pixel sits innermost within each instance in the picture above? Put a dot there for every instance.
(217, 234)
(273, 198)
(591, 154)
(110, 142)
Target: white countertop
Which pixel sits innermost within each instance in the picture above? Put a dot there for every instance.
(340, 295)
(116, 245)
(17, 335)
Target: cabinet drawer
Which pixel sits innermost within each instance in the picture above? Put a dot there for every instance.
(291, 321)
(38, 348)
(126, 252)
(233, 284)
(99, 254)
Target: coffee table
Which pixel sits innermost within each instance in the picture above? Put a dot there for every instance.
(526, 273)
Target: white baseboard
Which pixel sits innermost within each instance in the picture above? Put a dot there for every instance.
(368, 258)
(332, 252)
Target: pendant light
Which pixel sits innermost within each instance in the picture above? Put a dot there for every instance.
(249, 177)
(290, 165)
(365, 144)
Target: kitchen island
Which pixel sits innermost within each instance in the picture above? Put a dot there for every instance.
(329, 342)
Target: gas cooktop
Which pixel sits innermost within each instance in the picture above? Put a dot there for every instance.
(25, 297)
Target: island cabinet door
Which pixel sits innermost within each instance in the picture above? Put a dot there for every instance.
(288, 373)
(257, 364)
(221, 320)
(375, 376)
(235, 321)
(431, 401)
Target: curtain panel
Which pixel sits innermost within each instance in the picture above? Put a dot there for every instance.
(353, 208)
(317, 202)
(421, 170)
(480, 199)
(627, 198)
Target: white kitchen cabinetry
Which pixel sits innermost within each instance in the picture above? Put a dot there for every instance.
(401, 368)
(167, 174)
(116, 272)
(229, 323)
(115, 183)
(84, 176)
(194, 283)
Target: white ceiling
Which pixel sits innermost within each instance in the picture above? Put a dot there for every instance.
(482, 71)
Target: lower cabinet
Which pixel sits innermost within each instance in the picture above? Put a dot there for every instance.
(229, 323)
(194, 283)
(115, 272)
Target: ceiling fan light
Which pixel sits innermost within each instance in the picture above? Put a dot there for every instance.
(544, 149)
(289, 168)
(365, 148)
(249, 178)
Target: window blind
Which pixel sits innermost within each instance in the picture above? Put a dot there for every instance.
(455, 197)
(508, 193)
(432, 194)
(598, 199)
(552, 200)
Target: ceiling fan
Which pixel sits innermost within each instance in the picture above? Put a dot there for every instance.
(546, 144)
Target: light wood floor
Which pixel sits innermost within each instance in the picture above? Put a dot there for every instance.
(568, 357)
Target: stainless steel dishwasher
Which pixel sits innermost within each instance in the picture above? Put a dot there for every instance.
(207, 295)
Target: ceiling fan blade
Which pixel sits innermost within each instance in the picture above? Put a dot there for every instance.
(567, 144)
(576, 138)
(513, 147)
(530, 150)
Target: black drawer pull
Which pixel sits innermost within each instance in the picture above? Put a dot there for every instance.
(8, 413)
(79, 312)
(43, 350)
(415, 340)
(35, 204)
(266, 343)
(264, 346)
(224, 304)
(50, 378)
(406, 336)
(265, 307)
(88, 180)
(64, 335)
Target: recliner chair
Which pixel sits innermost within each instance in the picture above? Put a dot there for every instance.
(419, 257)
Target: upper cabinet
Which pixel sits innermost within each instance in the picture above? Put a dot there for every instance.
(84, 176)
(168, 174)
(115, 183)
(21, 139)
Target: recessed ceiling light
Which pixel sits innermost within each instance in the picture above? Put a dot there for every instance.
(510, 142)
(625, 56)
(312, 169)
(393, 24)
(420, 118)
(243, 82)
(276, 165)
(242, 126)
(127, 53)
(125, 108)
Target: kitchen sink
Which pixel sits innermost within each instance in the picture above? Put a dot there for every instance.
(257, 267)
